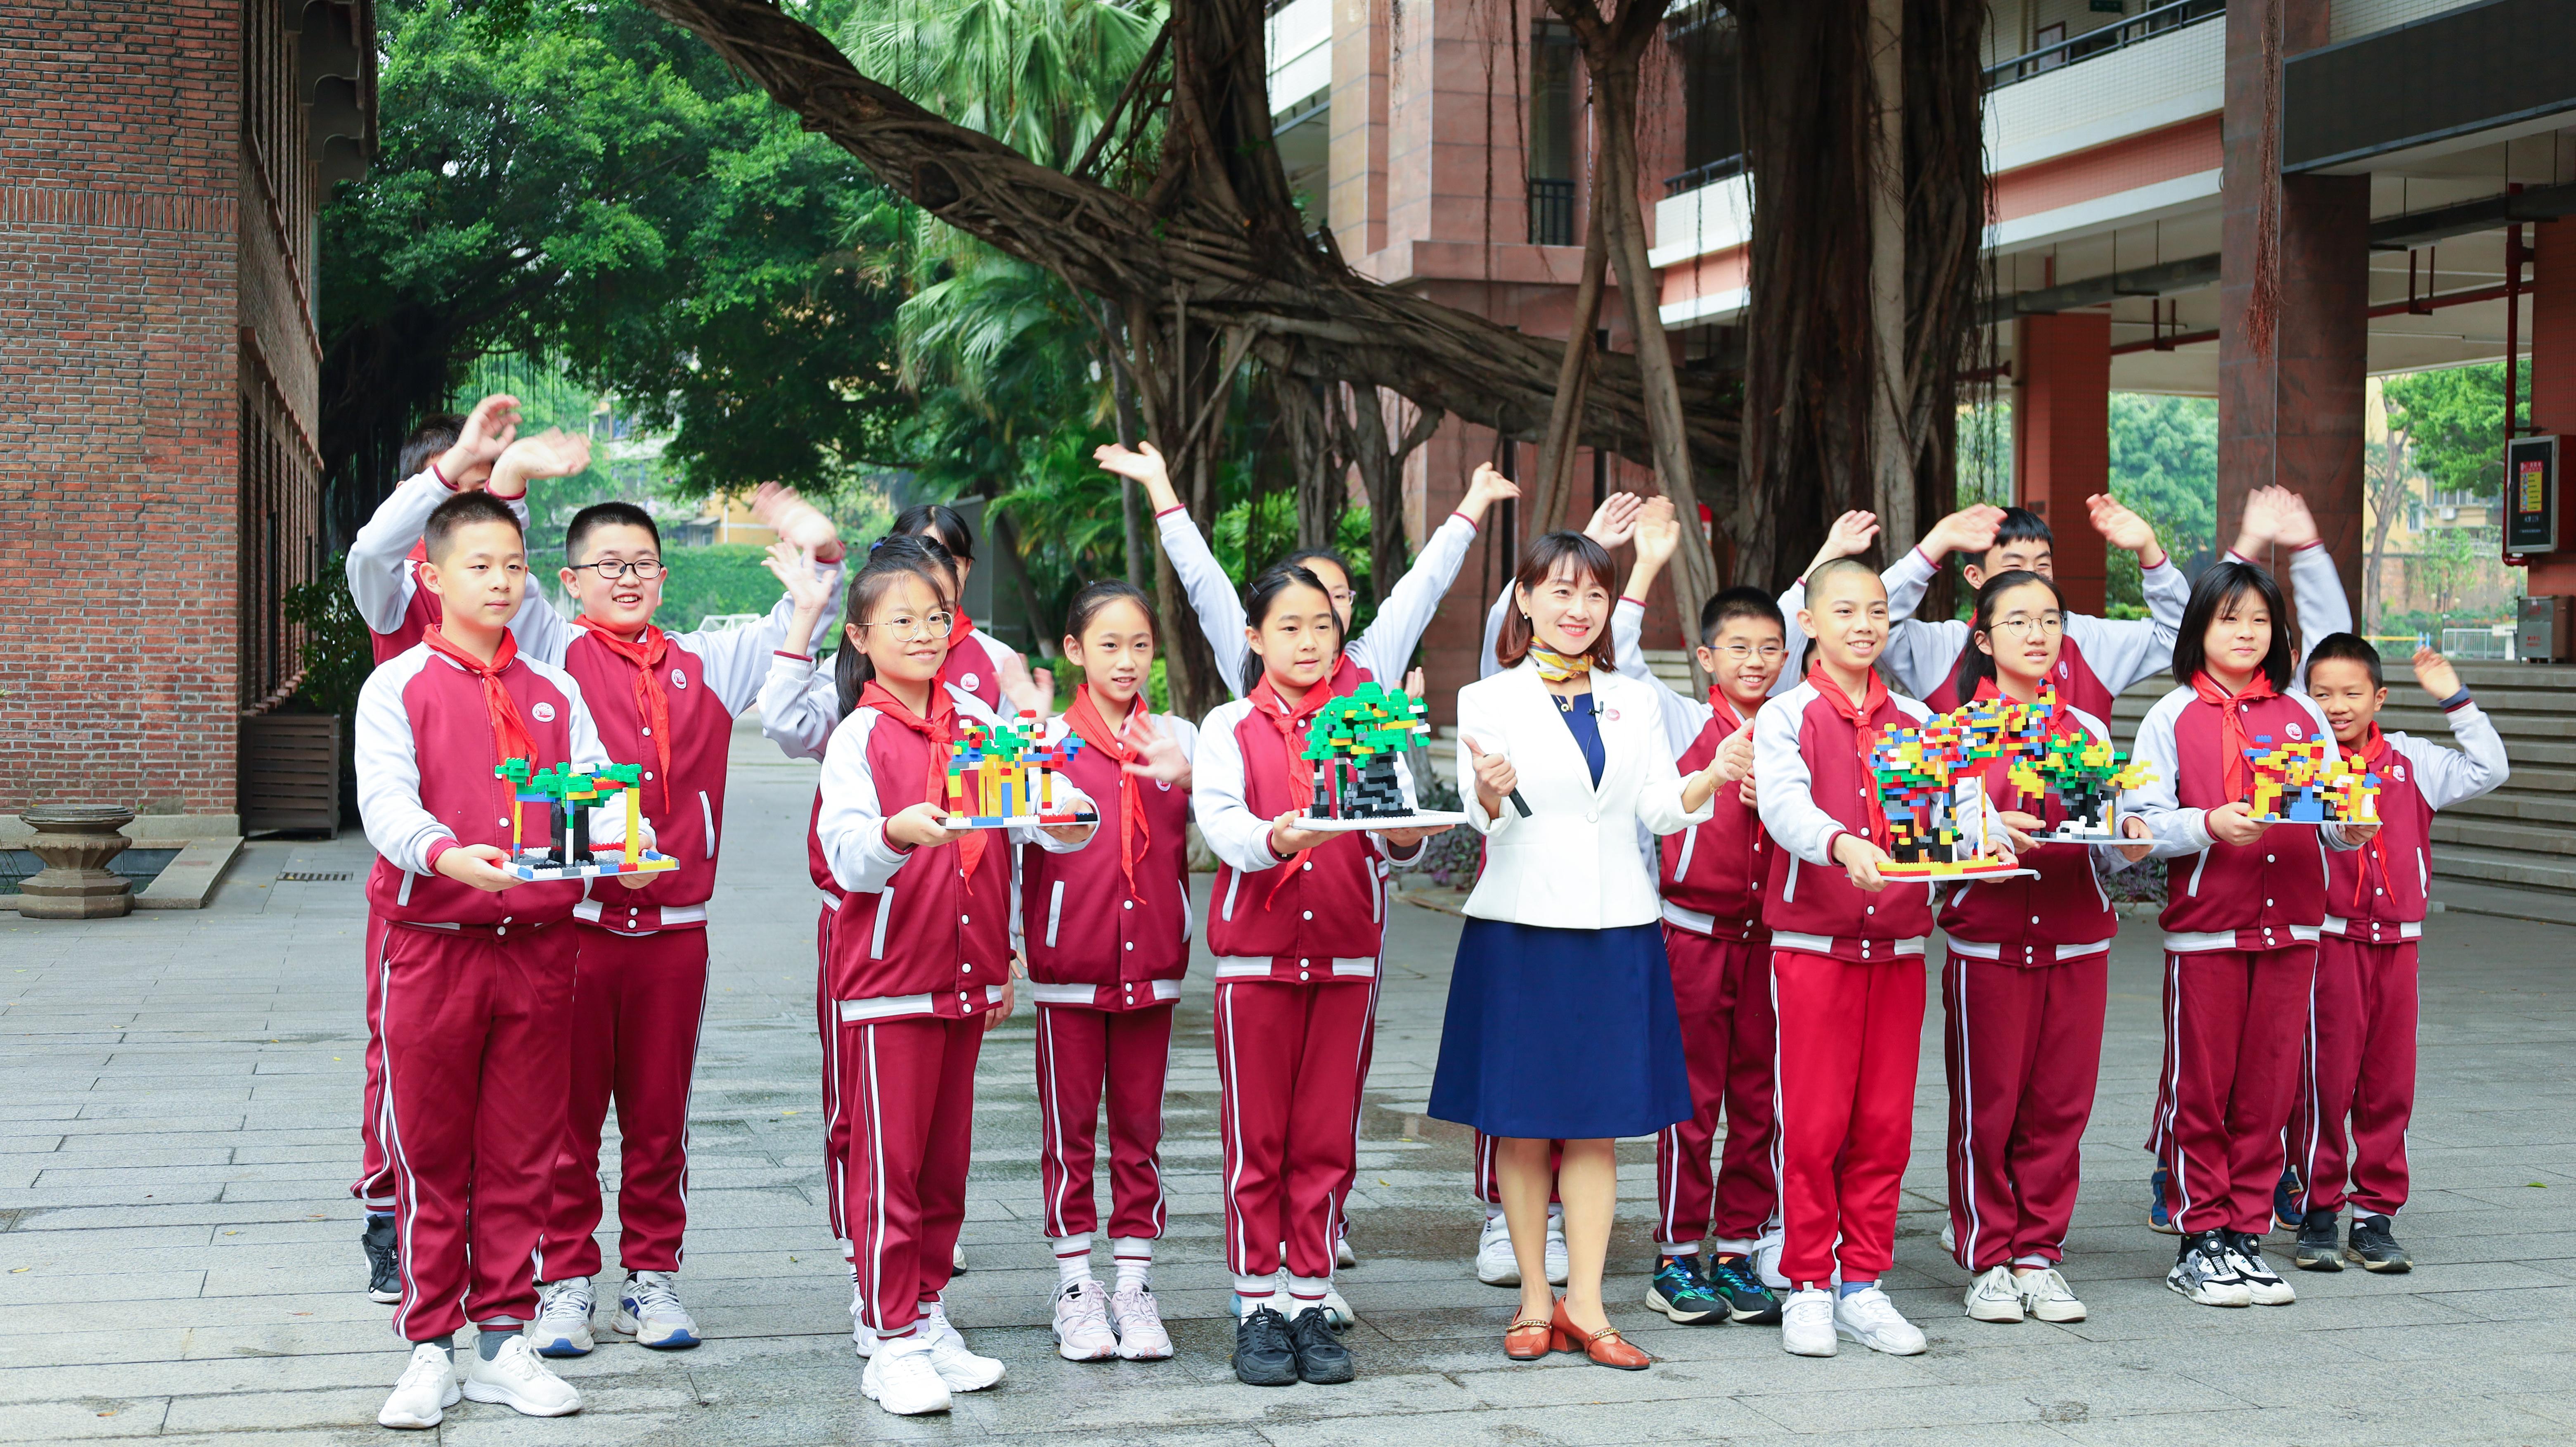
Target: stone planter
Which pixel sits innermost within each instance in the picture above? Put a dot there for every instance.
(76, 841)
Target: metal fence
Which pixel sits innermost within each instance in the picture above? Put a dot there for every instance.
(2492, 644)
(2119, 35)
(1551, 212)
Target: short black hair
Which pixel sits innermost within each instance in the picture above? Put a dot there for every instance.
(2352, 648)
(2021, 525)
(433, 436)
(944, 524)
(606, 514)
(463, 511)
(1830, 566)
(1750, 603)
(2219, 585)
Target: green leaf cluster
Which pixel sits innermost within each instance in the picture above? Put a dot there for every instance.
(2454, 422)
(2164, 468)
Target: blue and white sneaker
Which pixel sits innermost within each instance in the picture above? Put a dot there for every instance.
(562, 1327)
(2287, 1209)
(649, 1310)
(1680, 1292)
(2158, 1219)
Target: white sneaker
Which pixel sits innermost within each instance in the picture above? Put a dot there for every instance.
(957, 1257)
(1495, 1263)
(1766, 1259)
(517, 1380)
(649, 1310)
(1139, 1322)
(2263, 1286)
(1082, 1331)
(862, 1336)
(1949, 1237)
(2047, 1297)
(901, 1378)
(1994, 1296)
(2203, 1273)
(1556, 1267)
(562, 1327)
(1343, 1255)
(424, 1393)
(1868, 1317)
(1807, 1324)
(1337, 1312)
(957, 1366)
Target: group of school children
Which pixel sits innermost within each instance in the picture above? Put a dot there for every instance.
(506, 1015)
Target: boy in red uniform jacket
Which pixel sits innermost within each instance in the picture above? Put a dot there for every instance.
(474, 968)
(2361, 1031)
(1847, 974)
(1711, 877)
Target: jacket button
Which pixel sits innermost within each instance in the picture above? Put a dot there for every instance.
(1131, 944)
(2267, 859)
(2267, 904)
(500, 929)
(2034, 919)
(1310, 914)
(1301, 974)
(648, 775)
(961, 919)
(648, 733)
(1301, 964)
(1131, 904)
(1873, 909)
(965, 969)
(505, 919)
(1308, 866)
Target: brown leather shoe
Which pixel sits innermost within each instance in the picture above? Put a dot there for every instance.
(1529, 1339)
(1606, 1347)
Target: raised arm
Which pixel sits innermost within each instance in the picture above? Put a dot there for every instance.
(1211, 593)
(2443, 776)
(1386, 649)
(379, 559)
(2124, 651)
(800, 705)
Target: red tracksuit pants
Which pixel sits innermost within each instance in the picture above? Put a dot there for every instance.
(2234, 1027)
(1288, 1059)
(636, 1005)
(907, 1096)
(1351, 1177)
(374, 1186)
(2361, 1063)
(2022, 1051)
(475, 1076)
(1722, 989)
(1081, 1054)
(1850, 1036)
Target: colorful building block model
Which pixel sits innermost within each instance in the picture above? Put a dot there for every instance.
(569, 795)
(1001, 774)
(1932, 777)
(2086, 774)
(1354, 743)
(2295, 783)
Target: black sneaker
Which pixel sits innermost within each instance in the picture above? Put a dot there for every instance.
(2287, 1208)
(2374, 1247)
(2203, 1273)
(2318, 1249)
(1321, 1357)
(1262, 1355)
(2262, 1283)
(1746, 1298)
(384, 1267)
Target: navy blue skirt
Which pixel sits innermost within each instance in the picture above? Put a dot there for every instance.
(1561, 1034)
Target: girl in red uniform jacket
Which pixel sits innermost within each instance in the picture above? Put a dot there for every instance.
(2245, 903)
(978, 662)
(1106, 933)
(1295, 925)
(2024, 988)
(1846, 974)
(914, 958)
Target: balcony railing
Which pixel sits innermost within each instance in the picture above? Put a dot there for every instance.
(1551, 212)
(1708, 174)
(2119, 35)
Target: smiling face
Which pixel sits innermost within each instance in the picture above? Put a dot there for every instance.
(1745, 659)
(623, 603)
(1297, 639)
(2238, 639)
(896, 636)
(1846, 614)
(1115, 651)
(1567, 610)
(2342, 688)
(480, 576)
(2026, 632)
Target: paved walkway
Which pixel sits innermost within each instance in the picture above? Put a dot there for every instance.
(178, 1256)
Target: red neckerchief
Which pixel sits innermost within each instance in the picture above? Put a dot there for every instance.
(646, 653)
(1085, 720)
(1723, 709)
(2372, 750)
(938, 730)
(2235, 770)
(510, 737)
(1292, 723)
(1863, 730)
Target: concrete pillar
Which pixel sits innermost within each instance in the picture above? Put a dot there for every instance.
(2062, 439)
(2293, 328)
(2553, 370)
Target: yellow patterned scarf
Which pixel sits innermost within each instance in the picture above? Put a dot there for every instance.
(1557, 668)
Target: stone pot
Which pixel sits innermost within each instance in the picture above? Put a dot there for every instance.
(76, 841)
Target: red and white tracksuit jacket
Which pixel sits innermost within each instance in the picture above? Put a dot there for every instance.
(1847, 988)
(2024, 988)
(1106, 951)
(2241, 928)
(913, 955)
(2361, 1036)
(974, 664)
(1297, 944)
(474, 988)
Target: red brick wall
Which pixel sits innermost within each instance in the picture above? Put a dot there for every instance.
(119, 532)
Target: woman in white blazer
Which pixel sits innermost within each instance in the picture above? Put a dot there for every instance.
(1561, 1023)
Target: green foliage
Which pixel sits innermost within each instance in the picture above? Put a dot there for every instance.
(338, 654)
(2164, 468)
(719, 578)
(1250, 537)
(2454, 423)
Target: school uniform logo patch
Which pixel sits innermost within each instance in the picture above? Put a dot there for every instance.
(542, 712)
(2397, 772)
(968, 682)
(679, 679)
(2295, 731)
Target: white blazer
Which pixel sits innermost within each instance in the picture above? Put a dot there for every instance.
(1574, 863)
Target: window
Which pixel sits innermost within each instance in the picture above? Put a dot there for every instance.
(1554, 157)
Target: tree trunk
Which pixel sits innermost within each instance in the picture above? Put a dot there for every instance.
(1554, 479)
(1381, 467)
(1131, 503)
(1891, 408)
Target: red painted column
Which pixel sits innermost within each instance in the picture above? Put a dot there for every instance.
(2553, 370)
(2062, 439)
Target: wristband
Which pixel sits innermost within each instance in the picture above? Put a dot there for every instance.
(2456, 701)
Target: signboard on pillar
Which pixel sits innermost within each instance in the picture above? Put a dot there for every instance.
(2534, 520)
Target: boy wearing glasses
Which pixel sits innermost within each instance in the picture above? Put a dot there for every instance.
(666, 703)
(1711, 880)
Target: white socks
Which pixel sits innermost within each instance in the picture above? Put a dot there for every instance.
(1679, 1248)
(1135, 1258)
(1072, 1258)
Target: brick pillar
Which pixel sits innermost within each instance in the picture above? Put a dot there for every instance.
(2062, 439)
(2290, 401)
(2553, 370)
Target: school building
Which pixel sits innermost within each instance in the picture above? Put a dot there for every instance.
(160, 165)
(2421, 167)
